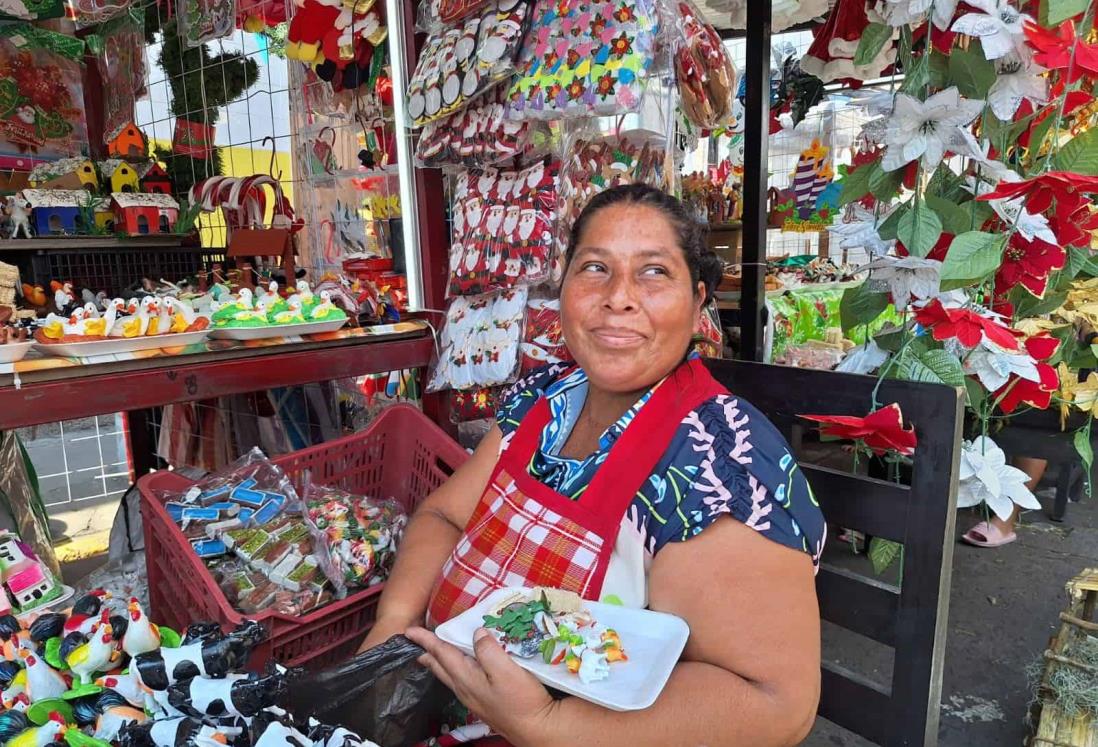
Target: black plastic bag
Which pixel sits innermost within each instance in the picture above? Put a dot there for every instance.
(382, 694)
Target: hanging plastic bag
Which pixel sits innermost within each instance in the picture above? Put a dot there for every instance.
(480, 341)
(584, 58)
(119, 49)
(382, 693)
(201, 21)
(503, 228)
(475, 404)
(480, 135)
(543, 340)
(703, 70)
(458, 64)
(19, 495)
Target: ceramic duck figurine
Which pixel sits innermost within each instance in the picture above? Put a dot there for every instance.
(134, 325)
(308, 300)
(141, 635)
(43, 681)
(159, 319)
(97, 655)
(252, 317)
(181, 313)
(244, 301)
(270, 296)
(292, 313)
(324, 309)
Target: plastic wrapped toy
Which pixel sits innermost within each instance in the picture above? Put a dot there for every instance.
(480, 342)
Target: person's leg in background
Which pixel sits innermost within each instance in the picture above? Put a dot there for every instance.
(996, 531)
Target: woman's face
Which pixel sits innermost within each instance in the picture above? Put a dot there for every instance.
(628, 307)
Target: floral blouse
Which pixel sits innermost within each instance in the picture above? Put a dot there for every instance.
(725, 458)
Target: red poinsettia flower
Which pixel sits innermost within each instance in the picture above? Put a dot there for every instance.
(965, 325)
(1029, 264)
(881, 431)
(1037, 394)
(1067, 188)
(1053, 49)
(1076, 229)
(1073, 101)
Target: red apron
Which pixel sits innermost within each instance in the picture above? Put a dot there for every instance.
(523, 533)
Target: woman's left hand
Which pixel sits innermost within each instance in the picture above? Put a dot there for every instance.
(492, 686)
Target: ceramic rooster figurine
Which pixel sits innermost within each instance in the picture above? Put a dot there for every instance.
(14, 696)
(43, 681)
(85, 613)
(99, 654)
(41, 736)
(141, 635)
(14, 637)
(129, 686)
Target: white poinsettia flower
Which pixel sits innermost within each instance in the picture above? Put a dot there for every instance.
(926, 129)
(907, 278)
(1031, 226)
(999, 26)
(903, 12)
(985, 477)
(861, 233)
(993, 366)
(991, 171)
(1016, 81)
(863, 359)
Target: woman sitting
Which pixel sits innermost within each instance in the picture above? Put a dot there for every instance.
(631, 477)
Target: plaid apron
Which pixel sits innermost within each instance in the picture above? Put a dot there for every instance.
(523, 533)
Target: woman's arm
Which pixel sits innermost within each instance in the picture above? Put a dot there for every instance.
(428, 540)
(750, 674)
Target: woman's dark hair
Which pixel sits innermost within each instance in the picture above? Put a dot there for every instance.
(703, 263)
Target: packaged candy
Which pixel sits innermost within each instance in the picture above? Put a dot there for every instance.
(584, 58)
(356, 536)
(458, 64)
(479, 135)
(543, 341)
(503, 228)
(480, 341)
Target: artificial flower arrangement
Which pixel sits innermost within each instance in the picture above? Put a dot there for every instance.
(974, 192)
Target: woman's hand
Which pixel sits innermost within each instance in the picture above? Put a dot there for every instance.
(382, 630)
(492, 686)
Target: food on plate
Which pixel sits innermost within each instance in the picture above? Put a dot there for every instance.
(553, 624)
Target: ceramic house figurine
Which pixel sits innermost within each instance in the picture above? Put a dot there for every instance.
(104, 214)
(55, 211)
(119, 176)
(66, 173)
(130, 143)
(154, 178)
(28, 583)
(141, 213)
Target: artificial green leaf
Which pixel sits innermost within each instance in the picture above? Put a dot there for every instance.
(1055, 12)
(874, 38)
(883, 553)
(970, 71)
(946, 185)
(1076, 261)
(977, 213)
(954, 219)
(945, 366)
(919, 230)
(887, 229)
(1083, 447)
(938, 67)
(972, 256)
(855, 185)
(916, 78)
(1079, 155)
(890, 339)
(884, 185)
(860, 305)
(1029, 305)
(976, 394)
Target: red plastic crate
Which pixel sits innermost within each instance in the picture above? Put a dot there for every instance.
(401, 455)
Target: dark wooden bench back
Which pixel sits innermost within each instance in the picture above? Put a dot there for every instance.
(911, 618)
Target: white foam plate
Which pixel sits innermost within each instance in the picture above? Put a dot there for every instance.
(276, 330)
(653, 641)
(121, 344)
(14, 351)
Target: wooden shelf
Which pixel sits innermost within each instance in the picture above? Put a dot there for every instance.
(48, 243)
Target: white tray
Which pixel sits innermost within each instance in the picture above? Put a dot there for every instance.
(14, 351)
(276, 330)
(120, 344)
(653, 641)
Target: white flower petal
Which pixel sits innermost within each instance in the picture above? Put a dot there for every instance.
(1001, 506)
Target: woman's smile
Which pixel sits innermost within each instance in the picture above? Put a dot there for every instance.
(618, 337)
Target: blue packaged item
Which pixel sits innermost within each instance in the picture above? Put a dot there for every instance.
(209, 548)
(266, 512)
(175, 510)
(246, 514)
(243, 493)
(228, 508)
(194, 513)
(276, 497)
(213, 493)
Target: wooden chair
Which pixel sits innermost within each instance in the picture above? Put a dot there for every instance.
(912, 619)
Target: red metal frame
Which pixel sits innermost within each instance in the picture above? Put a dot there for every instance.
(81, 396)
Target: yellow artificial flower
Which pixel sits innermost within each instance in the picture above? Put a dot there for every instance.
(1083, 395)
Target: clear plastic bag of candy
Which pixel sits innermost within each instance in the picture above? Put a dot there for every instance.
(356, 536)
(480, 341)
(503, 223)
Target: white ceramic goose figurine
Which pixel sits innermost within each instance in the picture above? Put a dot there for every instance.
(271, 297)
